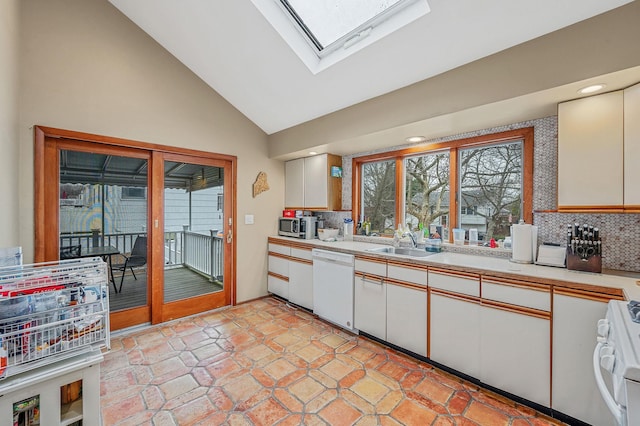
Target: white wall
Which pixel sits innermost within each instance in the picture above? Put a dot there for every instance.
(9, 122)
(86, 67)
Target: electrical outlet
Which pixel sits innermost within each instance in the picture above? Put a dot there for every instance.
(248, 219)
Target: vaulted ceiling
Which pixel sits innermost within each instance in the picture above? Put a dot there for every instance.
(233, 48)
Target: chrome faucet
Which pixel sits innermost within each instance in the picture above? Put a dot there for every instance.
(413, 238)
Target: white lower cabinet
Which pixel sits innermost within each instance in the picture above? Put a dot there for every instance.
(278, 276)
(515, 353)
(574, 388)
(301, 283)
(455, 332)
(407, 317)
(370, 310)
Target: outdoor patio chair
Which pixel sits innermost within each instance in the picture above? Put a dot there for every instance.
(137, 258)
(70, 252)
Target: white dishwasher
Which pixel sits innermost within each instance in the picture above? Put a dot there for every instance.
(333, 287)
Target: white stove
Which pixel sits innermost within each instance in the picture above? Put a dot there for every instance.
(617, 354)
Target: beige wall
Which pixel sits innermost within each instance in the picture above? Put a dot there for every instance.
(9, 122)
(86, 67)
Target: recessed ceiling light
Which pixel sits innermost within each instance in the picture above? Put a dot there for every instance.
(312, 153)
(592, 88)
(414, 139)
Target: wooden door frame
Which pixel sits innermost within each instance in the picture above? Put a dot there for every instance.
(46, 248)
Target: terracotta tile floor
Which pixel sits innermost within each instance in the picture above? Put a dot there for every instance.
(265, 363)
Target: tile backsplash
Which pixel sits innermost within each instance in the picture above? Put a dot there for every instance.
(621, 249)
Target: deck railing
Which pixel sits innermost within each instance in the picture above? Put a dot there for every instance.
(199, 252)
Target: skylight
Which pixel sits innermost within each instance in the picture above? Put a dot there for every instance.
(323, 32)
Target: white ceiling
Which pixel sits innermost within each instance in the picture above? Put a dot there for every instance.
(232, 47)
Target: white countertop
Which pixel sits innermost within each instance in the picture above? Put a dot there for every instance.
(630, 286)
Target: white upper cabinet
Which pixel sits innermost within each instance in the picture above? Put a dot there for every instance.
(294, 183)
(309, 184)
(590, 152)
(632, 147)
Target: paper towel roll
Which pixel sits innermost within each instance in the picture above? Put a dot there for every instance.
(522, 243)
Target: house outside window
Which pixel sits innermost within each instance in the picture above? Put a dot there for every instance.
(486, 181)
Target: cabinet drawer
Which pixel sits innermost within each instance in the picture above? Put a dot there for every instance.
(535, 297)
(371, 266)
(370, 306)
(410, 274)
(279, 265)
(277, 248)
(278, 286)
(301, 253)
(455, 282)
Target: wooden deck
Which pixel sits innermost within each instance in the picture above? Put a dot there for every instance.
(180, 283)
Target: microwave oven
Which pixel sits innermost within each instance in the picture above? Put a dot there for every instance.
(298, 227)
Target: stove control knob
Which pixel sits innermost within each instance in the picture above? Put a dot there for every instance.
(607, 362)
(603, 327)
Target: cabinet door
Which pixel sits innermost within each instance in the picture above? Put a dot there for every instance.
(370, 300)
(590, 152)
(632, 147)
(301, 283)
(454, 332)
(515, 353)
(574, 389)
(316, 178)
(407, 317)
(294, 184)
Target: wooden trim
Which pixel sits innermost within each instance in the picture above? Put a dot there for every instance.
(278, 241)
(278, 276)
(632, 208)
(428, 322)
(299, 260)
(400, 194)
(452, 295)
(585, 294)
(591, 209)
(401, 264)
(454, 183)
(406, 284)
(280, 255)
(451, 273)
(370, 259)
(129, 318)
(155, 212)
(522, 310)
(301, 246)
(128, 143)
(355, 193)
(513, 283)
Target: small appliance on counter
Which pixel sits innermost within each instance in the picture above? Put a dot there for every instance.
(584, 248)
(552, 255)
(298, 227)
(524, 242)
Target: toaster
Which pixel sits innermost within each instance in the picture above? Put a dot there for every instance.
(549, 255)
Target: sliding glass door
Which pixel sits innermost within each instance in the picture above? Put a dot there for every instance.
(195, 245)
(161, 218)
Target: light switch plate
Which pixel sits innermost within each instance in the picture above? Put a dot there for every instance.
(248, 219)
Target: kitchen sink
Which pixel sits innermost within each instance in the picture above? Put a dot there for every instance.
(401, 251)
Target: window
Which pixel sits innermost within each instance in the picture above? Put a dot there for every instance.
(133, 192)
(324, 32)
(486, 182)
(379, 196)
(220, 202)
(426, 189)
(491, 188)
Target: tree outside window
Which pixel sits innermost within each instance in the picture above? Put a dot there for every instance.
(491, 181)
(491, 185)
(379, 195)
(426, 189)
